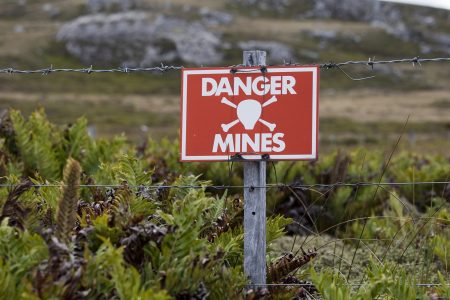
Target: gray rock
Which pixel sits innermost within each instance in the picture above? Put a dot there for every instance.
(329, 35)
(193, 42)
(387, 16)
(136, 39)
(442, 40)
(51, 10)
(19, 28)
(428, 21)
(278, 6)
(381, 14)
(360, 10)
(425, 48)
(214, 17)
(95, 6)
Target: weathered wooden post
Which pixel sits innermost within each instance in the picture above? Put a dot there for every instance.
(255, 202)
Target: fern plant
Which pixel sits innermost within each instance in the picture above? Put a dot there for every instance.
(66, 216)
(130, 240)
(34, 144)
(20, 253)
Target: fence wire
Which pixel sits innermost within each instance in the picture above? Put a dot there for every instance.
(164, 68)
(347, 284)
(46, 71)
(371, 62)
(267, 186)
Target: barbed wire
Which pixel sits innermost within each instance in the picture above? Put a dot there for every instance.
(347, 284)
(372, 62)
(46, 71)
(164, 68)
(267, 186)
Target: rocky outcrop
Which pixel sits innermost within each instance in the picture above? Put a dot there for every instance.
(380, 14)
(137, 39)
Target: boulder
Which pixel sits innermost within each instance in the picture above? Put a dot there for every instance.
(136, 38)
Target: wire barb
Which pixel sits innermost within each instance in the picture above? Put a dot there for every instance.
(48, 70)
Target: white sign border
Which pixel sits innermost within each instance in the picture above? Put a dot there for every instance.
(312, 156)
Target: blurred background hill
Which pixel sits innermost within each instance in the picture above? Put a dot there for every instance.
(136, 33)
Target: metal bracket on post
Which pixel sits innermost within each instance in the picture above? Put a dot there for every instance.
(255, 202)
(254, 58)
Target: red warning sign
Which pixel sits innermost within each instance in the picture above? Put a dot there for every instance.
(249, 112)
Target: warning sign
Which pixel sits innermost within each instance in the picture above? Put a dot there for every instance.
(249, 112)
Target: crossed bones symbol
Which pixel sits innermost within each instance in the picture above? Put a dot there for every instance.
(226, 127)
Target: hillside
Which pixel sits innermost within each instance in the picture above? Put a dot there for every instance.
(213, 33)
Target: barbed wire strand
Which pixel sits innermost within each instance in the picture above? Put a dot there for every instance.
(269, 185)
(164, 68)
(371, 62)
(347, 284)
(46, 71)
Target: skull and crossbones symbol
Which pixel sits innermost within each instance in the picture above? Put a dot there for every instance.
(248, 113)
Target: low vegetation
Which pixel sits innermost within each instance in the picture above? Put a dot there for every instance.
(94, 219)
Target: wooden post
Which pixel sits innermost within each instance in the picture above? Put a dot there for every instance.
(255, 203)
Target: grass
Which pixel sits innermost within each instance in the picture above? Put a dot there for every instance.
(141, 117)
(420, 137)
(382, 128)
(108, 119)
(103, 84)
(337, 254)
(442, 103)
